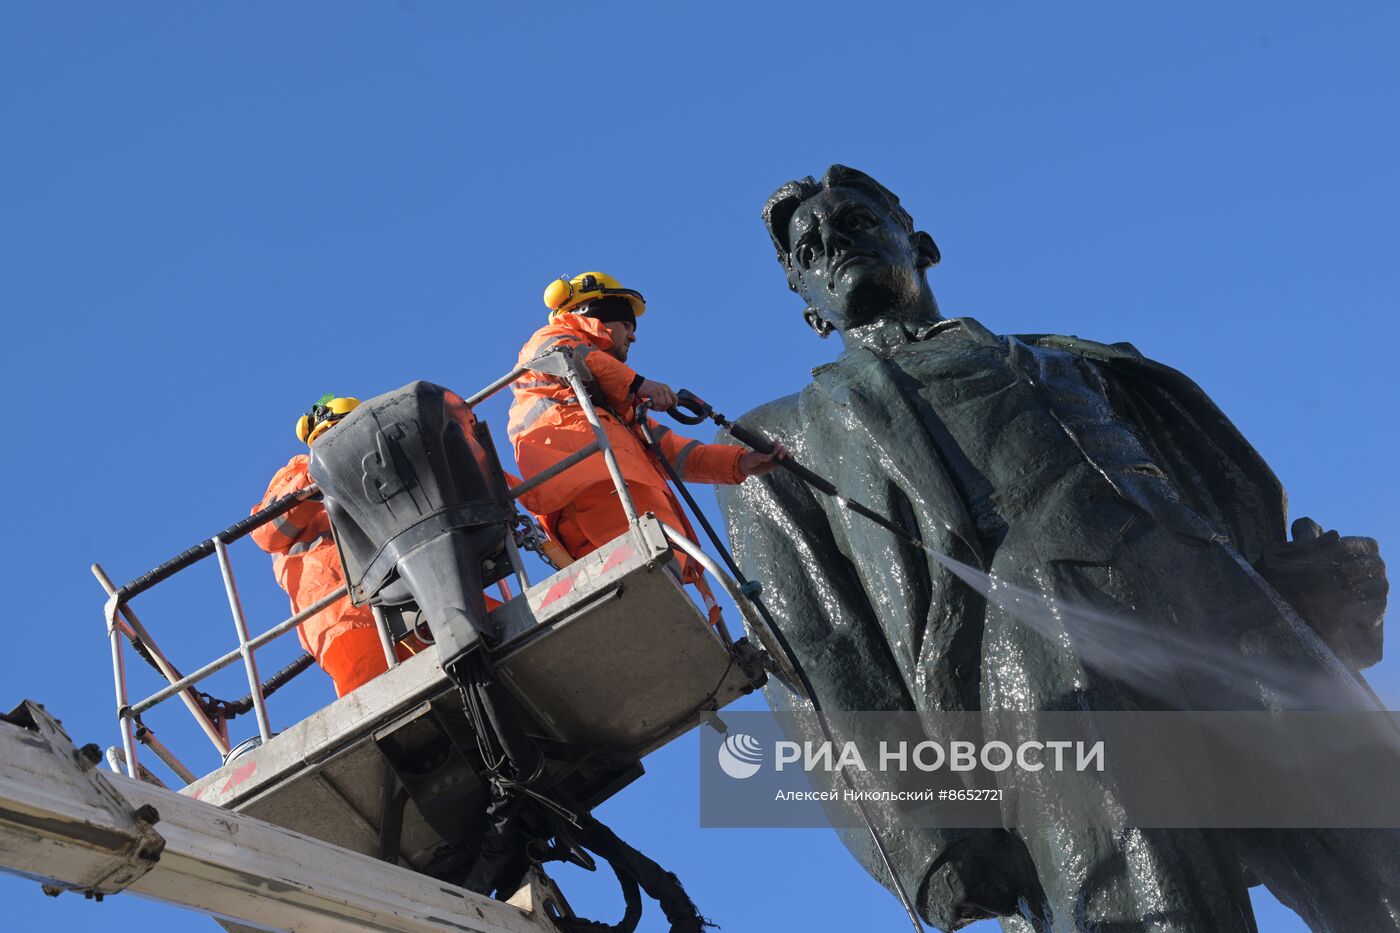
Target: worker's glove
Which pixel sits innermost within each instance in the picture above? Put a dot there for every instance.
(1337, 584)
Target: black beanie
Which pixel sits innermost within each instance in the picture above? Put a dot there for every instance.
(610, 308)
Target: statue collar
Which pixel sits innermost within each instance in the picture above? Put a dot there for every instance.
(888, 336)
(895, 337)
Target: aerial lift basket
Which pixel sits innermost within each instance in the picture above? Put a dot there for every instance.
(608, 659)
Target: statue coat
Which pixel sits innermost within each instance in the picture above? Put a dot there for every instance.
(1083, 470)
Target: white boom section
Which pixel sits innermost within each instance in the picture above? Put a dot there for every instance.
(66, 822)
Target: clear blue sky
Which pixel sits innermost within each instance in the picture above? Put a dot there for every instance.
(210, 214)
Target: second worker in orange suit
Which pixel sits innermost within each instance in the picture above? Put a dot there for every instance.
(579, 507)
(342, 637)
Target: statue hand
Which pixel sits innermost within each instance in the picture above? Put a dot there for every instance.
(1337, 584)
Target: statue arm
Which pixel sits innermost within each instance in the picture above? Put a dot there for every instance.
(1336, 583)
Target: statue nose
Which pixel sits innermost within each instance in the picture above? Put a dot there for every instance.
(834, 240)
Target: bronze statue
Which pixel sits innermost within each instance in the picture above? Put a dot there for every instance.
(1076, 469)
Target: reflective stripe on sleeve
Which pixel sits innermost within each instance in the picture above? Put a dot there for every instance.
(532, 414)
(683, 456)
(287, 528)
(301, 547)
(543, 382)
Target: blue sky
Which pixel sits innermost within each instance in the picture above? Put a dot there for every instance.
(210, 214)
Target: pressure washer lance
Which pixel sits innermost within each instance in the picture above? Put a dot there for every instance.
(698, 412)
(691, 402)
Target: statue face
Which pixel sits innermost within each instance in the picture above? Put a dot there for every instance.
(853, 259)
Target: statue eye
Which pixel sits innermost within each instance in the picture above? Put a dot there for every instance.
(806, 255)
(860, 220)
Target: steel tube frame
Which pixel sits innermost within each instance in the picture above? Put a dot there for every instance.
(117, 766)
(148, 738)
(496, 386)
(600, 445)
(386, 641)
(125, 715)
(694, 552)
(545, 476)
(250, 663)
(214, 667)
(135, 630)
(591, 414)
(517, 563)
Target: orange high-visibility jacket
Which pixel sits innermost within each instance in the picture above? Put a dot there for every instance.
(547, 424)
(307, 565)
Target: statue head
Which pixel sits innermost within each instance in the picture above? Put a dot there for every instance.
(851, 251)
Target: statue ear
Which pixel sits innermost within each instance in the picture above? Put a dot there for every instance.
(821, 325)
(926, 249)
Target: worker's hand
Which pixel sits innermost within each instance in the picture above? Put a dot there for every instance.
(661, 395)
(754, 463)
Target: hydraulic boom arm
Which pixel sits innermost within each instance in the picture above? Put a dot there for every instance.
(68, 823)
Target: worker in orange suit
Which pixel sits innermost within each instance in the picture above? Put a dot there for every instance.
(342, 637)
(579, 508)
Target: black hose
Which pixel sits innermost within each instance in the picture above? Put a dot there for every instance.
(232, 708)
(633, 869)
(202, 550)
(690, 500)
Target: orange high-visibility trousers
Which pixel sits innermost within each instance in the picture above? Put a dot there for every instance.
(356, 657)
(342, 637)
(596, 517)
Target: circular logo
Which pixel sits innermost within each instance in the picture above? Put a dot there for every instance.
(740, 756)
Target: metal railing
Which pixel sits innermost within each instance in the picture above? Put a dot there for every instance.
(122, 623)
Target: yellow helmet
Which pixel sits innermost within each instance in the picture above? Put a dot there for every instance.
(567, 294)
(327, 411)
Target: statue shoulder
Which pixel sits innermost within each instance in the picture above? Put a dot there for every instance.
(1092, 349)
(1123, 359)
(1127, 361)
